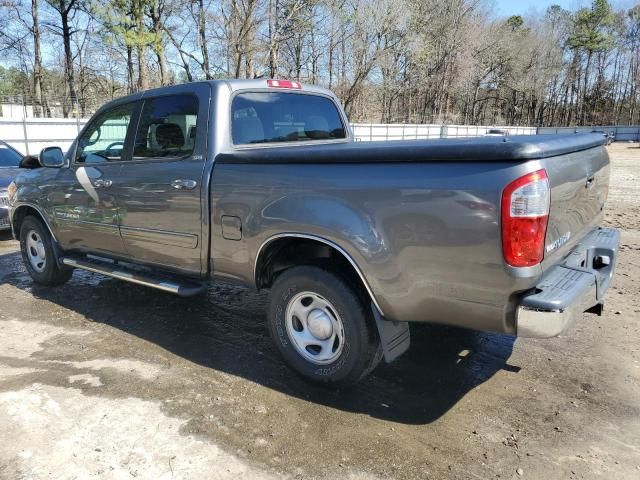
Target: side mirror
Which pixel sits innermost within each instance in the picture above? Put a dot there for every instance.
(51, 157)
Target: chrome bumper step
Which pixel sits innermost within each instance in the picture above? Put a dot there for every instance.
(567, 290)
(119, 271)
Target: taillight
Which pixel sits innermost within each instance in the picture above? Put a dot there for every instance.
(284, 84)
(525, 214)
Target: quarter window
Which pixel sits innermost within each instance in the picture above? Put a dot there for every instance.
(104, 139)
(266, 117)
(167, 127)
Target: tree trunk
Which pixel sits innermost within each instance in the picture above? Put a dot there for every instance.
(143, 82)
(41, 108)
(162, 65)
(273, 37)
(69, 74)
(585, 89)
(158, 44)
(330, 66)
(202, 35)
(130, 71)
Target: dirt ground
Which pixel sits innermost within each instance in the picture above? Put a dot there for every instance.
(102, 379)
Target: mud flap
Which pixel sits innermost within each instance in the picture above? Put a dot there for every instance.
(394, 336)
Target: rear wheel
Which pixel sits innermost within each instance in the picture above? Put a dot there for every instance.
(322, 327)
(38, 254)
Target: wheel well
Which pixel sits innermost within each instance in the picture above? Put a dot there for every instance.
(23, 212)
(283, 253)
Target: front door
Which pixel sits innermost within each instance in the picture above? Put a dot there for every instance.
(84, 204)
(159, 189)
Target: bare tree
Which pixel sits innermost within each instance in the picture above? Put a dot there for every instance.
(388, 60)
(67, 10)
(41, 106)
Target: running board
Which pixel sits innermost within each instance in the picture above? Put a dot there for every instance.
(141, 278)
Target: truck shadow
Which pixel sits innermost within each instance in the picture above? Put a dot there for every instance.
(225, 330)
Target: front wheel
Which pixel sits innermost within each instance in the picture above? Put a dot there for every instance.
(323, 329)
(38, 254)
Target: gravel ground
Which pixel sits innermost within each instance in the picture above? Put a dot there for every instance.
(102, 379)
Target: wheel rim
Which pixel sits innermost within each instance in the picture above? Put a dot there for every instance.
(36, 251)
(314, 328)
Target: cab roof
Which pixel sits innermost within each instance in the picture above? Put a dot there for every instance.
(233, 85)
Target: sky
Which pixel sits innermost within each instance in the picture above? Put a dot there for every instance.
(520, 7)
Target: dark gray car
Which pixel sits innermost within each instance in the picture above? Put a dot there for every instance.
(9, 162)
(260, 182)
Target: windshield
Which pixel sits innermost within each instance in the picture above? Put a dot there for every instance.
(9, 157)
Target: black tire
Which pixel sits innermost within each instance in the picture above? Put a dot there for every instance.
(49, 274)
(361, 351)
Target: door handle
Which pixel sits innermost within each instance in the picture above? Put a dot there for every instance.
(184, 184)
(100, 183)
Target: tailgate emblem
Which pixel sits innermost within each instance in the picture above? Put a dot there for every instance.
(558, 242)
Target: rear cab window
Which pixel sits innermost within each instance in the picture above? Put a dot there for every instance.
(279, 117)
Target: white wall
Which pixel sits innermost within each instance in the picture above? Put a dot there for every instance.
(623, 133)
(15, 110)
(32, 134)
(379, 131)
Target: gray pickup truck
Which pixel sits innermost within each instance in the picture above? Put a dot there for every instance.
(261, 182)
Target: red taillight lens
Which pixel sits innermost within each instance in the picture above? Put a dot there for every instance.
(284, 84)
(525, 214)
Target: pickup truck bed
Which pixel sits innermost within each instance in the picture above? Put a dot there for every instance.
(475, 149)
(422, 217)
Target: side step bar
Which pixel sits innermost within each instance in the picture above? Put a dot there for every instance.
(115, 271)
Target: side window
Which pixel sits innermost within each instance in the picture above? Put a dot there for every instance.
(266, 117)
(103, 140)
(167, 127)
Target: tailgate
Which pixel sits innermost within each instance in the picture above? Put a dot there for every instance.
(579, 184)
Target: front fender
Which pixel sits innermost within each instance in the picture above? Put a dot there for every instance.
(21, 209)
(29, 195)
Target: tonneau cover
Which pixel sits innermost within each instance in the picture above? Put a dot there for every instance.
(515, 148)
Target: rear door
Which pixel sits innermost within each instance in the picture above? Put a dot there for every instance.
(160, 188)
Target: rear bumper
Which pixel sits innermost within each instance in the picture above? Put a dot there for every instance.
(571, 288)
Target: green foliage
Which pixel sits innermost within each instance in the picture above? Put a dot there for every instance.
(514, 22)
(12, 82)
(589, 32)
(125, 21)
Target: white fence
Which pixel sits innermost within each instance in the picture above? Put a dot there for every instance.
(379, 131)
(623, 133)
(32, 134)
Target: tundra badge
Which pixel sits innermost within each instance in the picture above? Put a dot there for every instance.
(558, 242)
